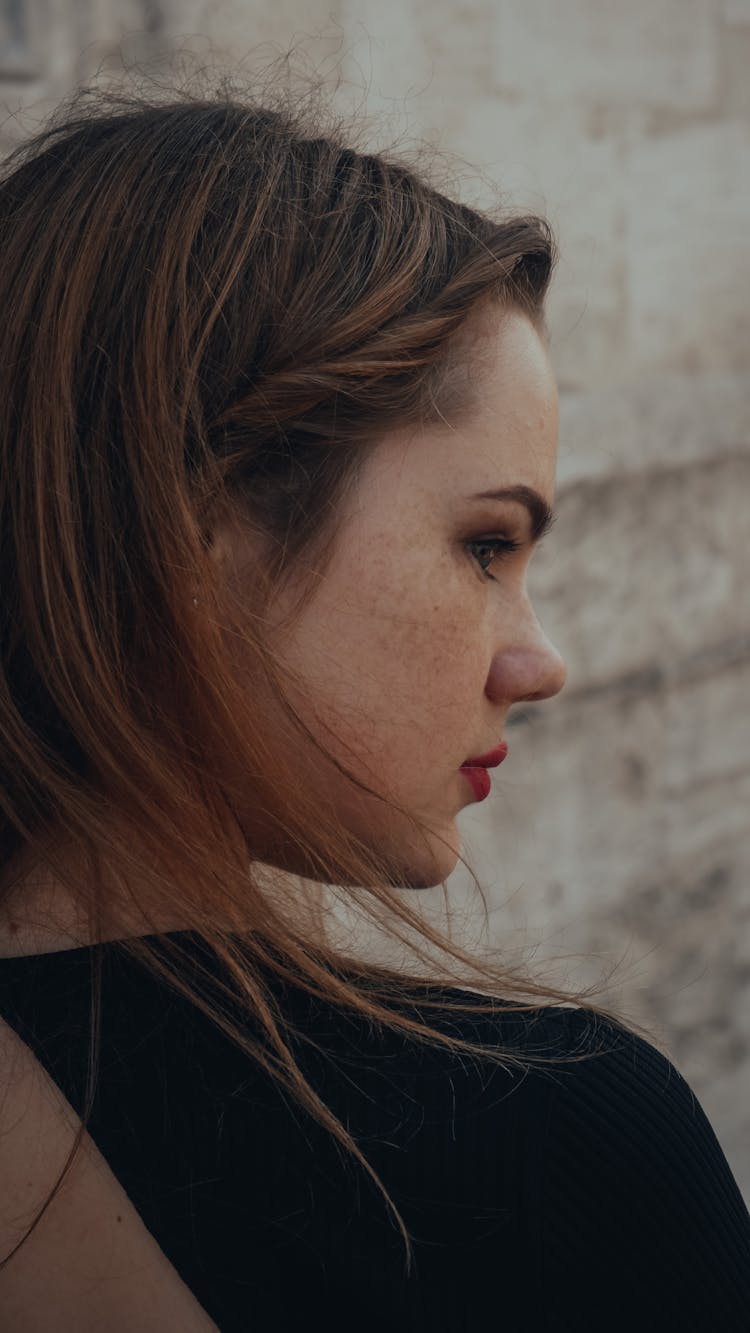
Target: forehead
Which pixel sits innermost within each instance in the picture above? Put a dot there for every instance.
(500, 363)
(497, 427)
(499, 417)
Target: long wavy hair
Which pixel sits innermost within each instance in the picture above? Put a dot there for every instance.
(215, 306)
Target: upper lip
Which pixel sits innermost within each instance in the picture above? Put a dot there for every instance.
(489, 760)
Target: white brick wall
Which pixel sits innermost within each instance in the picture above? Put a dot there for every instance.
(663, 53)
(687, 250)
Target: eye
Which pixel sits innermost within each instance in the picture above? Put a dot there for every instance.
(497, 546)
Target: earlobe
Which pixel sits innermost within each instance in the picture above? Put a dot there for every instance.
(220, 543)
(231, 540)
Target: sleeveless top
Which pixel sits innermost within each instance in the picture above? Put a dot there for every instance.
(573, 1196)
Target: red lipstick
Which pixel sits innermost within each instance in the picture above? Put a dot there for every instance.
(489, 760)
(476, 769)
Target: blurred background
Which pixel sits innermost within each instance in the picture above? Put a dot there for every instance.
(619, 827)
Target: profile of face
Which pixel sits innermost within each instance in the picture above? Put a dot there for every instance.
(417, 642)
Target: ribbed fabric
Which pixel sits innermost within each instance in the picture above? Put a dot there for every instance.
(578, 1196)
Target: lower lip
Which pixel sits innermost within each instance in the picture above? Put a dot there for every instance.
(480, 781)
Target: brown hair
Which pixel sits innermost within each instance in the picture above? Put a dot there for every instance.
(213, 306)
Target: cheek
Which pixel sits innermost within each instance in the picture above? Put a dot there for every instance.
(416, 630)
(415, 671)
(395, 669)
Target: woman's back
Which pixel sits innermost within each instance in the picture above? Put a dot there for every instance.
(570, 1197)
(90, 1264)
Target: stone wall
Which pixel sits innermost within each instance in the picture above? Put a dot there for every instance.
(619, 826)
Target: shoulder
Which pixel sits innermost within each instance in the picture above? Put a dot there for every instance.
(635, 1180)
(624, 1094)
(612, 1077)
(91, 1259)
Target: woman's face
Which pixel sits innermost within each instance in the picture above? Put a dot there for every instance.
(409, 654)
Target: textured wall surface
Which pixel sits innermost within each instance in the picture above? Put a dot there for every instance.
(620, 823)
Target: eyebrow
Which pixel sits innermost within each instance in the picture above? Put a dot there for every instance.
(542, 517)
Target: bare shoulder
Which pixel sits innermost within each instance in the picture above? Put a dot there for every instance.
(91, 1263)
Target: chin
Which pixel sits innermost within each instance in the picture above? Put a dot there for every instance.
(428, 867)
(415, 862)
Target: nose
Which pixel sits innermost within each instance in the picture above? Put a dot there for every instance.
(528, 668)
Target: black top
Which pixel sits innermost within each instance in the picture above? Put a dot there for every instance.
(578, 1196)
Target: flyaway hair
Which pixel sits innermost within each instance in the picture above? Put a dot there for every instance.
(213, 307)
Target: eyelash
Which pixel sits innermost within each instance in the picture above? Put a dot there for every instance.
(504, 547)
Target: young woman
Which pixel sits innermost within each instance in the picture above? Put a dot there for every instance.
(279, 430)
